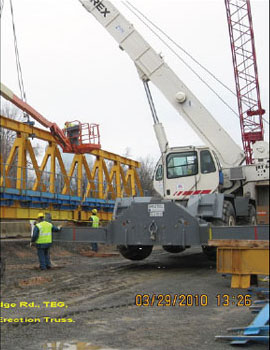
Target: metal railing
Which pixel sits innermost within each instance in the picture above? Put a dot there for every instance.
(27, 180)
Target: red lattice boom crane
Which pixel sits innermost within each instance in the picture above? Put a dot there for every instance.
(246, 73)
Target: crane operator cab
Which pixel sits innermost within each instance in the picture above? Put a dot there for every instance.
(185, 171)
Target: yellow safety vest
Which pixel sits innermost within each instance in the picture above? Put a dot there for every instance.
(95, 221)
(45, 232)
(69, 125)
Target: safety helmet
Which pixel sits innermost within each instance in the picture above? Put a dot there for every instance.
(94, 211)
(40, 215)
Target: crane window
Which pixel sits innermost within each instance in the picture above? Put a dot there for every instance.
(182, 164)
(207, 163)
(159, 173)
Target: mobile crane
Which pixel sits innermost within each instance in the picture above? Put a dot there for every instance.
(210, 181)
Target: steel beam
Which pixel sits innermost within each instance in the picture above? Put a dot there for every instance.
(19, 127)
(81, 234)
(100, 183)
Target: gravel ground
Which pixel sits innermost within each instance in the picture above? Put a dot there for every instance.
(87, 301)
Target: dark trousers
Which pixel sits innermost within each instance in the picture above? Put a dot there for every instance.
(43, 252)
(94, 247)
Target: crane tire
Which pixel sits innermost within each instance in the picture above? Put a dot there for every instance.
(210, 252)
(173, 248)
(251, 219)
(228, 219)
(228, 216)
(135, 252)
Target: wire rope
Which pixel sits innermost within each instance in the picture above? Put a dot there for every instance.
(1, 7)
(132, 8)
(17, 56)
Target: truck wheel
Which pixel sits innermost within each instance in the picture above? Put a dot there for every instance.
(173, 248)
(252, 216)
(228, 216)
(228, 219)
(135, 252)
(210, 252)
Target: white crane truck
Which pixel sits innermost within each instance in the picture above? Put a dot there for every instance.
(198, 185)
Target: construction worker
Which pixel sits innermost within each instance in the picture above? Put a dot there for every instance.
(94, 222)
(42, 237)
(73, 131)
(68, 125)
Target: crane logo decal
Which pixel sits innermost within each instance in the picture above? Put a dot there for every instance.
(100, 7)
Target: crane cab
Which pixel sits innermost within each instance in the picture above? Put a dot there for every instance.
(185, 171)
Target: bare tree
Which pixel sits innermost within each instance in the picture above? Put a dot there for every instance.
(145, 173)
(7, 137)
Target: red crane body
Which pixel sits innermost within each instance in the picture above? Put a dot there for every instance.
(246, 73)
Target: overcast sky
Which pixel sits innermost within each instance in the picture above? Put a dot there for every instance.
(73, 69)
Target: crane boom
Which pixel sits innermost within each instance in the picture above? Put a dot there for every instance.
(56, 131)
(246, 74)
(152, 67)
(60, 136)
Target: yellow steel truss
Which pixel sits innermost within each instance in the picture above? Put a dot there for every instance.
(109, 177)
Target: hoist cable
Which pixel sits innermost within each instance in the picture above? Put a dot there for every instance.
(182, 49)
(1, 7)
(181, 59)
(132, 8)
(18, 63)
